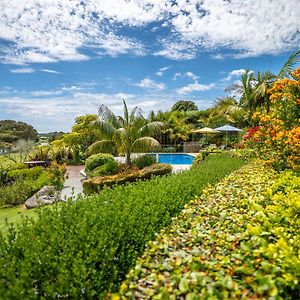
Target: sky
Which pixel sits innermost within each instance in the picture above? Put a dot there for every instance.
(60, 59)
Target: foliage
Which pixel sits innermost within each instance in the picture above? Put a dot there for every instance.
(144, 161)
(97, 160)
(240, 240)
(169, 150)
(82, 135)
(39, 153)
(83, 249)
(198, 160)
(21, 189)
(95, 185)
(183, 105)
(277, 138)
(109, 168)
(11, 131)
(130, 133)
(20, 184)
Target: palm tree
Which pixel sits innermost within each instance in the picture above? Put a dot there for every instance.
(130, 133)
(262, 83)
(287, 68)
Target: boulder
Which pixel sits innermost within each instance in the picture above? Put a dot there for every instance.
(45, 196)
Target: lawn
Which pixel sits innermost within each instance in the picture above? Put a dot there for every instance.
(14, 215)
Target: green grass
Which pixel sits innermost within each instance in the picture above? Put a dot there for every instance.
(14, 215)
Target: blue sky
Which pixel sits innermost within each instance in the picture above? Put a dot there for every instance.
(61, 59)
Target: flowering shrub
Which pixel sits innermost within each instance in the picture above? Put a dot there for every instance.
(277, 137)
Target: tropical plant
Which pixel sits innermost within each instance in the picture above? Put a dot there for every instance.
(130, 133)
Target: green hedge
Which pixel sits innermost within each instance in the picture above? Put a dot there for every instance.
(240, 240)
(97, 160)
(82, 249)
(95, 185)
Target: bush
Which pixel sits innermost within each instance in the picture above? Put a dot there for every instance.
(21, 189)
(109, 168)
(144, 161)
(240, 240)
(32, 173)
(97, 160)
(169, 150)
(26, 182)
(82, 249)
(95, 185)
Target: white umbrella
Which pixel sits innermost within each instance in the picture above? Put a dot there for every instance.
(228, 128)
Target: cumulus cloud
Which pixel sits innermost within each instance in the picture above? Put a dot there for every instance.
(194, 87)
(233, 74)
(48, 31)
(186, 74)
(151, 84)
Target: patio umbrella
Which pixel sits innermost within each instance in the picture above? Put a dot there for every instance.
(228, 128)
(205, 130)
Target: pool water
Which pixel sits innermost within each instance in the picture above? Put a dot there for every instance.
(175, 159)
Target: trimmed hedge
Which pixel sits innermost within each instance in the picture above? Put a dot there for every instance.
(240, 240)
(82, 249)
(95, 185)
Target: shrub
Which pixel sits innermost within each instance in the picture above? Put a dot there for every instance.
(169, 149)
(198, 160)
(32, 173)
(240, 240)
(144, 161)
(21, 189)
(97, 160)
(109, 168)
(82, 249)
(94, 185)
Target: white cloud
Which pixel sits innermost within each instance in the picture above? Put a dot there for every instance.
(186, 74)
(50, 71)
(233, 74)
(151, 84)
(48, 31)
(194, 87)
(161, 71)
(22, 71)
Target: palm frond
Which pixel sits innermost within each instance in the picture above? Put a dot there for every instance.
(287, 68)
(104, 146)
(136, 113)
(107, 129)
(145, 144)
(121, 137)
(106, 115)
(152, 128)
(126, 113)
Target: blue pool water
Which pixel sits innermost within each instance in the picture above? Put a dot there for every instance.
(175, 159)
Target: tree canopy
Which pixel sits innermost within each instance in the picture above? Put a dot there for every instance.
(184, 105)
(11, 131)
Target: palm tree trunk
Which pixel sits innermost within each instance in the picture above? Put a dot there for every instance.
(128, 159)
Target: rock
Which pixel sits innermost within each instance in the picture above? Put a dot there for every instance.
(45, 196)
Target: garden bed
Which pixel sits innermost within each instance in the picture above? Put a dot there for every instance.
(240, 240)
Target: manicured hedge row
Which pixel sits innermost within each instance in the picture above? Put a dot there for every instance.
(82, 249)
(96, 184)
(240, 240)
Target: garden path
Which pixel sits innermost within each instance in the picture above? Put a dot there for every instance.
(72, 186)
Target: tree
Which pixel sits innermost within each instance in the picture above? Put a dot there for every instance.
(11, 131)
(130, 133)
(184, 105)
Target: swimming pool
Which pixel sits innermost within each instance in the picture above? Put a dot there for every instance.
(175, 159)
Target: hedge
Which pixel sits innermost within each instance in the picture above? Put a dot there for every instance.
(96, 184)
(83, 249)
(240, 240)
